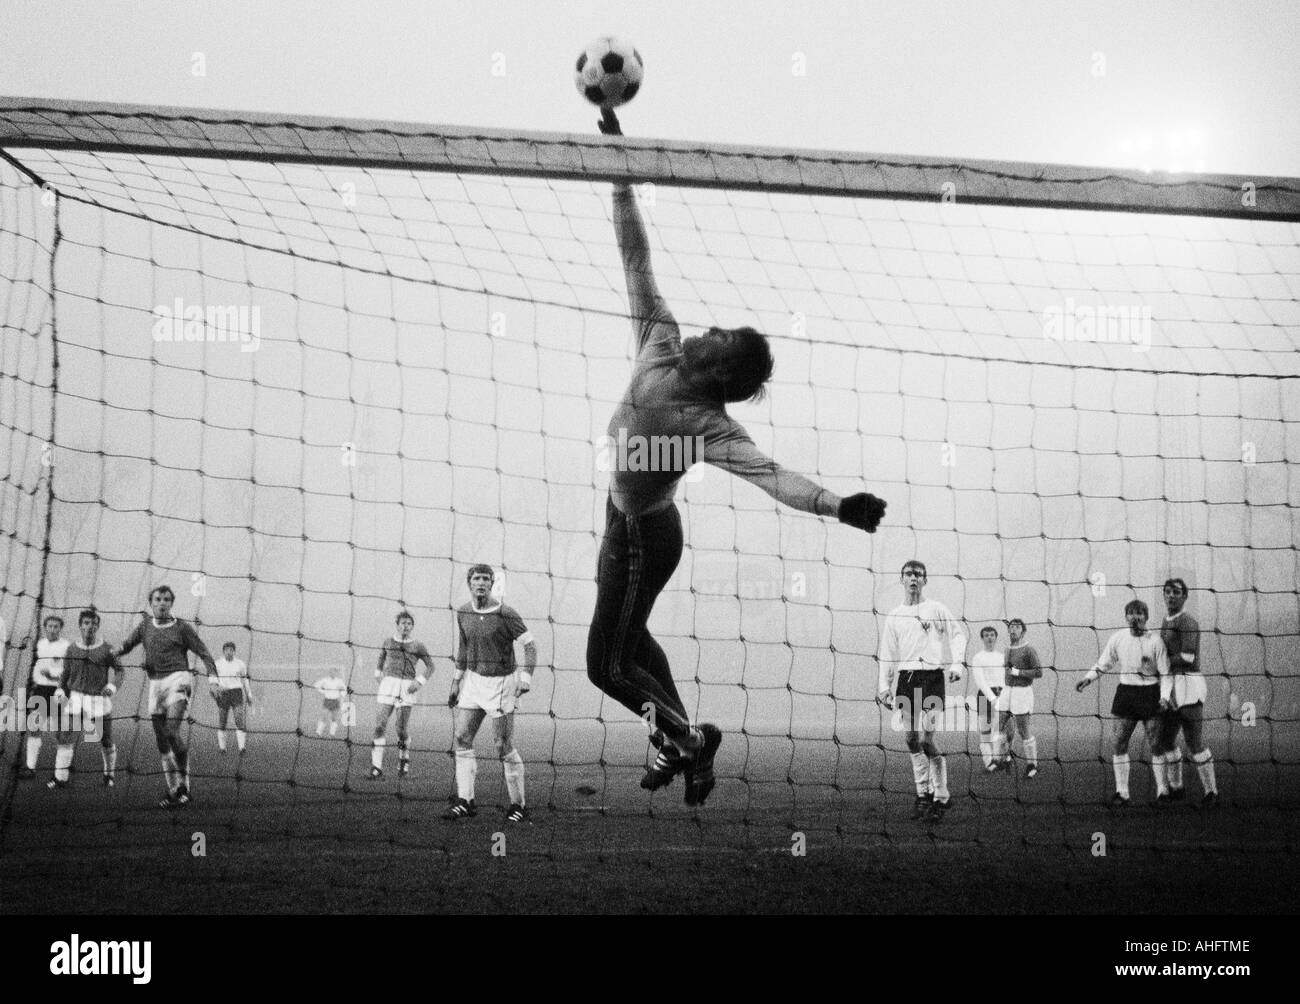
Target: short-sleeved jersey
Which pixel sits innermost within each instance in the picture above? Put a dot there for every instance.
(922, 636)
(988, 667)
(1182, 637)
(332, 688)
(1141, 659)
(487, 639)
(48, 668)
(86, 670)
(1024, 660)
(167, 647)
(231, 673)
(399, 658)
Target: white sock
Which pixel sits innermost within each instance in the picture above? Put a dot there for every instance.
(170, 772)
(62, 761)
(404, 751)
(1158, 772)
(334, 727)
(939, 777)
(1031, 751)
(1174, 768)
(921, 774)
(221, 740)
(986, 751)
(466, 770)
(109, 753)
(1204, 761)
(33, 751)
(1120, 763)
(377, 754)
(513, 766)
(320, 729)
(241, 739)
(999, 746)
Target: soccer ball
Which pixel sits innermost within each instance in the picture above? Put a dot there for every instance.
(609, 72)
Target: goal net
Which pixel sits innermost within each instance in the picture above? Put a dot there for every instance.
(308, 372)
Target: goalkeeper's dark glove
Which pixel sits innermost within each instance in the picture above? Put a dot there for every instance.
(608, 123)
(863, 511)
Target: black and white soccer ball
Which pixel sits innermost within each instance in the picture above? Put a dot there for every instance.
(609, 72)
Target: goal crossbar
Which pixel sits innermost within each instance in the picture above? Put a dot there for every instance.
(105, 127)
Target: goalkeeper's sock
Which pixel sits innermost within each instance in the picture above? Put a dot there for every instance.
(466, 771)
(33, 751)
(377, 754)
(1120, 763)
(1205, 768)
(109, 753)
(63, 761)
(1174, 768)
(939, 777)
(513, 766)
(320, 729)
(921, 774)
(1031, 751)
(169, 772)
(221, 740)
(241, 739)
(1158, 772)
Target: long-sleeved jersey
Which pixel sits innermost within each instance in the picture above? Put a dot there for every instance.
(922, 636)
(1182, 637)
(48, 667)
(1024, 660)
(166, 647)
(989, 670)
(1141, 660)
(86, 670)
(398, 657)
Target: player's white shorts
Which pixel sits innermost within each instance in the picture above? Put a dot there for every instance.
(1017, 700)
(393, 692)
(88, 705)
(1189, 688)
(493, 694)
(168, 690)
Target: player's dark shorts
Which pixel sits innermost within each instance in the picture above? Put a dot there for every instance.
(1172, 721)
(46, 696)
(331, 704)
(1137, 702)
(918, 691)
(228, 700)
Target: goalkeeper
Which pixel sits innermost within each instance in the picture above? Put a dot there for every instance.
(678, 394)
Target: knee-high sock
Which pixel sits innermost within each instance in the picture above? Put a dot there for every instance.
(999, 742)
(109, 753)
(1120, 762)
(63, 761)
(921, 774)
(377, 753)
(939, 777)
(170, 774)
(221, 740)
(182, 761)
(1204, 761)
(1158, 772)
(986, 751)
(33, 751)
(403, 750)
(334, 727)
(466, 771)
(1031, 750)
(241, 739)
(512, 764)
(1174, 767)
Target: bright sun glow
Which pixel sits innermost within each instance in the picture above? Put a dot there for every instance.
(1175, 151)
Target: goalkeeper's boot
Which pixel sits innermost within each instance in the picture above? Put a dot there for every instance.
(921, 807)
(1177, 794)
(1210, 800)
(376, 773)
(461, 809)
(1118, 801)
(699, 770)
(937, 812)
(669, 762)
(56, 785)
(25, 772)
(518, 814)
(1031, 771)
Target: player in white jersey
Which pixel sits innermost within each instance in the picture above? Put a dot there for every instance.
(988, 666)
(332, 689)
(230, 688)
(43, 686)
(920, 643)
(1144, 682)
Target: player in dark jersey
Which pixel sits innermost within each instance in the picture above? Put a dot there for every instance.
(1184, 709)
(168, 642)
(676, 404)
(89, 708)
(399, 686)
(1016, 702)
(487, 685)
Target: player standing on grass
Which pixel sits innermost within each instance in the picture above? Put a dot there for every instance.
(1143, 674)
(1184, 706)
(487, 685)
(168, 641)
(1017, 702)
(399, 687)
(43, 684)
(678, 394)
(89, 710)
(989, 666)
(332, 689)
(920, 643)
(231, 691)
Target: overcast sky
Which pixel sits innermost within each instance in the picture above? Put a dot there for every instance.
(1161, 84)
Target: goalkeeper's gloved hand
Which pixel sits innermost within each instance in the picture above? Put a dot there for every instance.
(863, 511)
(608, 123)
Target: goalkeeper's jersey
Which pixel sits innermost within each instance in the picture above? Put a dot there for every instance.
(922, 636)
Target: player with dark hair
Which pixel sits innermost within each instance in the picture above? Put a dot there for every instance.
(1184, 707)
(168, 641)
(678, 395)
(1143, 667)
(920, 643)
(487, 685)
(89, 710)
(1017, 700)
(989, 667)
(43, 684)
(231, 690)
(399, 687)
